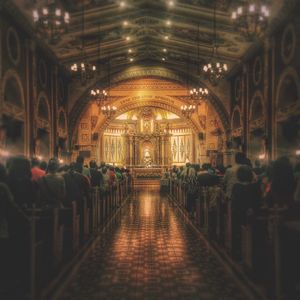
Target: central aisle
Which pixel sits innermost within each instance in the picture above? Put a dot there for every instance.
(151, 253)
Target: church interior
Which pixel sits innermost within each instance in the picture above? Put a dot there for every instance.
(149, 149)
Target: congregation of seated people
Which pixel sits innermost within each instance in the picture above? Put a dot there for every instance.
(240, 208)
(27, 185)
(247, 186)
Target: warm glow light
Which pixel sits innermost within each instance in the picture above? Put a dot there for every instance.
(166, 37)
(165, 50)
(298, 152)
(171, 3)
(129, 50)
(128, 38)
(122, 4)
(168, 23)
(262, 156)
(131, 59)
(125, 23)
(61, 161)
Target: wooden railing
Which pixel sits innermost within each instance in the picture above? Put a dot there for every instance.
(258, 248)
(54, 237)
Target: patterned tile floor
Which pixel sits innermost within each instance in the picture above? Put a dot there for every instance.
(151, 253)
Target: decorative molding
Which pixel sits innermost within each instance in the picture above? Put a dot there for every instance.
(8, 108)
(288, 47)
(13, 45)
(257, 70)
(257, 95)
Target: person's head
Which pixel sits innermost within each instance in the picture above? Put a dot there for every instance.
(257, 163)
(104, 170)
(53, 165)
(93, 164)
(297, 168)
(221, 169)
(187, 165)
(43, 165)
(80, 160)
(283, 180)
(240, 158)
(19, 168)
(244, 174)
(35, 162)
(197, 167)
(3, 174)
(205, 167)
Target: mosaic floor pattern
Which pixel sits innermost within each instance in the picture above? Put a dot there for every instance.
(151, 253)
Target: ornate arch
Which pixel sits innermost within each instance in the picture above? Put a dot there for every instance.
(8, 107)
(149, 103)
(236, 131)
(62, 130)
(41, 121)
(156, 72)
(257, 122)
(286, 110)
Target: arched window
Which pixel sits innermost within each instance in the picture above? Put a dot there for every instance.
(288, 93)
(13, 93)
(236, 119)
(257, 109)
(62, 121)
(43, 111)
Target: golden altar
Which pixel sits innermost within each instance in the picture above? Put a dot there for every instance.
(147, 175)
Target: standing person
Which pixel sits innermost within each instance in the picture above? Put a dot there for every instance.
(20, 183)
(12, 238)
(112, 176)
(230, 178)
(36, 171)
(192, 190)
(96, 176)
(246, 195)
(52, 186)
(77, 187)
(85, 171)
(282, 185)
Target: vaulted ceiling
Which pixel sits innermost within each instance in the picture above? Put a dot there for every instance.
(152, 26)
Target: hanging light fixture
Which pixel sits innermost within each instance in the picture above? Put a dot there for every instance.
(188, 109)
(198, 94)
(51, 21)
(108, 110)
(251, 19)
(215, 70)
(83, 69)
(98, 94)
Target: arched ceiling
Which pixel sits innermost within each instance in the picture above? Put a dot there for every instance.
(149, 22)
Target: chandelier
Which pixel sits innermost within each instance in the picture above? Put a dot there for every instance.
(83, 69)
(188, 110)
(251, 19)
(51, 21)
(215, 70)
(108, 111)
(198, 94)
